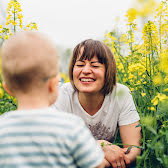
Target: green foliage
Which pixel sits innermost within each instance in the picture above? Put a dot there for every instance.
(144, 69)
(7, 102)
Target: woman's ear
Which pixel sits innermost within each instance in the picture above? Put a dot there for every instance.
(7, 89)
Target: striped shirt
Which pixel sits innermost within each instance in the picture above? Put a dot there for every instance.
(46, 138)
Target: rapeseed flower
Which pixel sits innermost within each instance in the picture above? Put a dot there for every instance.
(1, 93)
(144, 67)
(152, 109)
(64, 77)
(159, 97)
(143, 94)
(31, 26)
(131, 15)
(145, 7)
(158, 80)
(150, 38)
(14, 16)
(164, 61)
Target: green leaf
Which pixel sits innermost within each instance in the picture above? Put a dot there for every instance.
(139, 125)
(128, 149)
(102, 144)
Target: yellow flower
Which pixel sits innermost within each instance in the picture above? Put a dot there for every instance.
(32, 26)
(158, 80)
(14, 16)
(164, 61)
(14, 23)
(1, 93)
(6, 37)
(14, 100)
(124, 79)
(162, 97)
(145, 7)
(120, 66)
(131, 14)
(143, 94)
(165, 90)
(143, 76)
(64, 77)
(155, 101)
(153, 109)
(113, 38)
(159, 97)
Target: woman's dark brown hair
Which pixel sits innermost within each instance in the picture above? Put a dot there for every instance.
(96, 48)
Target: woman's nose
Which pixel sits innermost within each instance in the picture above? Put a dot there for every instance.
(86, 69)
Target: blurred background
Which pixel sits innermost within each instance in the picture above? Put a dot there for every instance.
(69, 22)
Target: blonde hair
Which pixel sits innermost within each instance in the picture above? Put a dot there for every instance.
(27, 58)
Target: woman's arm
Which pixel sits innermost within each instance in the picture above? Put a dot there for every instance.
(130, 134)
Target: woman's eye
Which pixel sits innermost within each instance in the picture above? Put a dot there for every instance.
(79, 65)
(95, 66)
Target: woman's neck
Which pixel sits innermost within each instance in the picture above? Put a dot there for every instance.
(91, 103)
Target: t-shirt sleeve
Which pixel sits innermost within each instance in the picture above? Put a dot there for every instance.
(128, 112)
(85, 149)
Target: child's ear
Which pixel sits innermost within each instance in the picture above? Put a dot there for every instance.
(53, 83)
(7, 89)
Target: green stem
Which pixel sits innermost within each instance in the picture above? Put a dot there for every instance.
(147, 150)
(120, 144)
(14, 21)
(160, 32)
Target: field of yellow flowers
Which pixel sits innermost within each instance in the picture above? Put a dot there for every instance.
(144, 69)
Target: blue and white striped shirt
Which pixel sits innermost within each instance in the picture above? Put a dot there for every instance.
(46, 138)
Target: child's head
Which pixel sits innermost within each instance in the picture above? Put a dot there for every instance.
(29, 61)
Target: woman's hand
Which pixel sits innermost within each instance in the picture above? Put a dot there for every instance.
(114, 155)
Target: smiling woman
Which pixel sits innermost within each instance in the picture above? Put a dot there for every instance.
(105, 105)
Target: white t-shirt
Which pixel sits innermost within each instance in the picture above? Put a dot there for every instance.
(118, 109)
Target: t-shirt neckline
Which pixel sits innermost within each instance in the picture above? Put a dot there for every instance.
(103, 107)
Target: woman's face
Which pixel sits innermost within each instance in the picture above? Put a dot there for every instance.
(89, 76)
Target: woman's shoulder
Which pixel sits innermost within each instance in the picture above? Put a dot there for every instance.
(120, 91)
(67, 87)
(120, 87)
